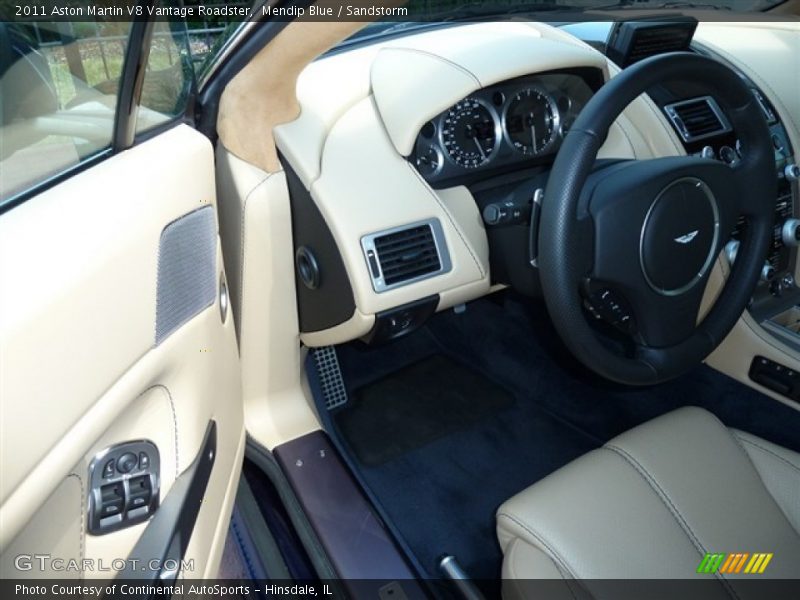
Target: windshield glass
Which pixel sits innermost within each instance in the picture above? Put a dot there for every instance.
(427, 13)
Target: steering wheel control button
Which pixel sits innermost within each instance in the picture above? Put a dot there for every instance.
(610, 306)
(123, 486)
(679, 237)
(126, 463)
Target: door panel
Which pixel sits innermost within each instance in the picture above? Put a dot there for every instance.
(91, 275)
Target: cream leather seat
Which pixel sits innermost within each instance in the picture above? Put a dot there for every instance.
(651, 503)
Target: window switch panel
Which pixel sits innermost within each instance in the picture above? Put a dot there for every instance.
(124, 482)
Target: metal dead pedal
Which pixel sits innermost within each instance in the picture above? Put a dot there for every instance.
(330, 376)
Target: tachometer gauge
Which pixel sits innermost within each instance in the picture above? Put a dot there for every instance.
(469, 133)
(531, 121)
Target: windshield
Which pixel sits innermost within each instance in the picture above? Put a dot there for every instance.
(428, 13)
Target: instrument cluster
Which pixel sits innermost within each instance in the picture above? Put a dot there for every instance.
(511, 124)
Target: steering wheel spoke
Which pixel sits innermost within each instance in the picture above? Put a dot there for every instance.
(666, 321)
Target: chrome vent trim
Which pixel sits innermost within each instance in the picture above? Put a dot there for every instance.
(425, 238)
(698, 118)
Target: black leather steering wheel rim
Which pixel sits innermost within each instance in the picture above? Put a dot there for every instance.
(562, 269)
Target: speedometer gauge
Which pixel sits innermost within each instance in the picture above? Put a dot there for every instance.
(469, 133)
(531, 121)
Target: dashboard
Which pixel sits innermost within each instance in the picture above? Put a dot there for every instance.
(506, 126)
(414, 165)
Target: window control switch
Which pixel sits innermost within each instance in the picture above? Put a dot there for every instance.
(140, 491)
(112, 499)
(124, 486)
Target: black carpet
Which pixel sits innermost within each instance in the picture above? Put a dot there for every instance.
(440, 479)
(416, 405)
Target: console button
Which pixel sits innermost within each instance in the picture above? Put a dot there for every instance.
(126, 462)
(112, 508)
(140, 491)
(108, 469)
(112, 499)
(144, 460)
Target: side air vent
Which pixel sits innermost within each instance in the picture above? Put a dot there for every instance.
(405, 255)
(697, 119)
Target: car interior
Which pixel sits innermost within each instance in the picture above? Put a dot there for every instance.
(444, 309)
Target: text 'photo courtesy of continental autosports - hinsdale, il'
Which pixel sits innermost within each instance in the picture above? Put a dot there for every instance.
(400, 299)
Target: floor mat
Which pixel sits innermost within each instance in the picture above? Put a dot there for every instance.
(441, 496)
(416, 405)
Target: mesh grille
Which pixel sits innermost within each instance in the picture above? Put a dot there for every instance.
(330, 377)
(187, 270)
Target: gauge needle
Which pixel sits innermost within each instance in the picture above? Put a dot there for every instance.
(533, 135)
(480, 148)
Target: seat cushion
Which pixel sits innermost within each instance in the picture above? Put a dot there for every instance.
(652, 502)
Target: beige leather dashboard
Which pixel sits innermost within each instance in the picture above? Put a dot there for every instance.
(360, 114)
(769, 54)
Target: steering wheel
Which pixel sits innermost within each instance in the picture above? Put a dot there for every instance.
(635, 242)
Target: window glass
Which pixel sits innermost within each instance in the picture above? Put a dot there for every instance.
(168, 76)
(58, 94)
(179, 50)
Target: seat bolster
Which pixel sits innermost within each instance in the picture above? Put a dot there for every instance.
(587, 516)
(779, 469)
(653, 501)
(709, 482)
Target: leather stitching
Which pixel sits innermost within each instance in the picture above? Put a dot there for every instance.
(790, 464)
(449, 218)
(561, 563)
(770, 452)
(667, 501)
(174, 420)
(738, 441)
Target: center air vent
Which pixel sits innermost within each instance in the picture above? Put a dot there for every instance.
(406, 254)
(697, 119)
